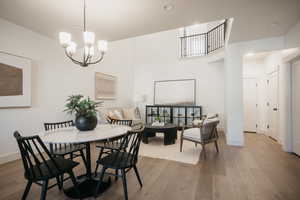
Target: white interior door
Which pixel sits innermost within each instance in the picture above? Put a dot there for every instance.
(250, 104)
(273, 105)
(296, 106)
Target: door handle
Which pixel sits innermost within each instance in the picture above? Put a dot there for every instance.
(275, 109)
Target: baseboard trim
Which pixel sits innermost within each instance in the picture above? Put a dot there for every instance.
(9, 157)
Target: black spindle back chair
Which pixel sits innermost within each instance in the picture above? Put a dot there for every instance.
(123, 160)
(40, 166)
(114, 143)
(57, 125)
(66, 149)
(126, 122)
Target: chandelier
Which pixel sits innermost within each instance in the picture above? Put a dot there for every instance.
(90, 56)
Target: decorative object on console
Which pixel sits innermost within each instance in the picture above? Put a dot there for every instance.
(157, 123)
(105, 86)
(88, 50)
(85, 111)
(15, 81)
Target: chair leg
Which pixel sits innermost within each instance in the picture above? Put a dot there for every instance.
(217, 147)
(100, 181)
(44, 190)
(204, 151)
(181, 143)
(62, 178)
(58, 182)
(99, 157)
(138, 175)
(117, 174)
(62, 181)
(83, 158)
(124, 183)
(28, 186)
(74, 181)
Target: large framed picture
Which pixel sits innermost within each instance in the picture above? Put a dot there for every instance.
(175, 92)
(105, 86)
(15, 81)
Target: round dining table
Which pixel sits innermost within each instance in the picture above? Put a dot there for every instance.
(87, 182)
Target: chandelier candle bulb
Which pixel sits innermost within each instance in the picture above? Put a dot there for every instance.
(71, 49)
(102, 46)
(65, 39)
(89, 38)
(89, 51)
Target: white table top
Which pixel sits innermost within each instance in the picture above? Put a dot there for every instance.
(73, 135)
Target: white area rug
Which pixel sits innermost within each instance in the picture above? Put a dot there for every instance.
(156, 149)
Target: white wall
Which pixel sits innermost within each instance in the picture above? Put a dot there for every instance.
(156, 58)
(54, 77)
(292, 37)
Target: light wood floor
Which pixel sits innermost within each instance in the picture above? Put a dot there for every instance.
(260, 170)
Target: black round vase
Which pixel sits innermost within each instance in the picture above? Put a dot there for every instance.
(84, 123)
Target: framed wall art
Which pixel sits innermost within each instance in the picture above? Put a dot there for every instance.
(15, 81)
(105, 86)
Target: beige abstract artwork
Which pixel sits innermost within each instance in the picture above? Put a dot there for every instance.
(105, 86)
(11, 80)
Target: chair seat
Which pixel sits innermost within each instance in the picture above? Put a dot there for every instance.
(117, 160)
(193, 134)
(42, 172)
(68, 149)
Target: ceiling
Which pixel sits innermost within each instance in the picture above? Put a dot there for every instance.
(119, 19)
(250, 57)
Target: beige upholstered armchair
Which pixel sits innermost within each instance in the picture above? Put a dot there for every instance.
(202, 132)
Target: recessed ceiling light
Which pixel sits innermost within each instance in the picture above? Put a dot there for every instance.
(168, 7)
(275, 24)
(249, 54)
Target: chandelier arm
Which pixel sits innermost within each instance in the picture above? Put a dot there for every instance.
(72, 59)
(99, 60)
(87, 58)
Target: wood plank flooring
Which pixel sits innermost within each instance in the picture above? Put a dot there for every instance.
(258, 171)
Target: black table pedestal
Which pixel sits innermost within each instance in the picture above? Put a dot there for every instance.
(87, 183)
(87, 188)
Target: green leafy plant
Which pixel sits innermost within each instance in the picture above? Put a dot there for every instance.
(81, 106)
(157, 118)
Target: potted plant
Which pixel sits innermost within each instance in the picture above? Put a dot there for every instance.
(85, 111)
